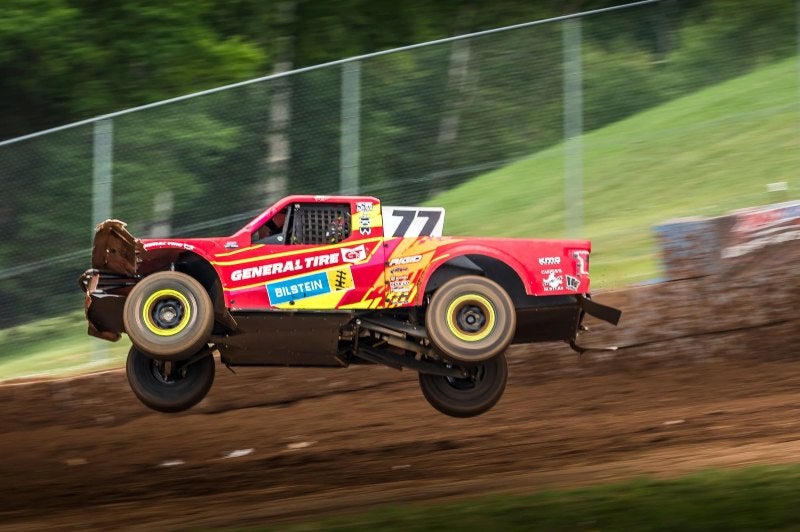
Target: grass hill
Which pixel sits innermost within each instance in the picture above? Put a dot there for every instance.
(703, 154)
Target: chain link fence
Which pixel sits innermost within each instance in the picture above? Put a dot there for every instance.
(405, 126)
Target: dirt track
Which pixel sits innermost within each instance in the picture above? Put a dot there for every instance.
(83, 453)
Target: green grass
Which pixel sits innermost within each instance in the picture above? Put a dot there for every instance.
(704, 154)
(56, 346)
(759, 498)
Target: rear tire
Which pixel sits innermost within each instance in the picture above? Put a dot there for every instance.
(168, 315)
(470, 396)
(471, 319)
(170, 386)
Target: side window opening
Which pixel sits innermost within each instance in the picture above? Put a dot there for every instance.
(326, 223)
(274, 230)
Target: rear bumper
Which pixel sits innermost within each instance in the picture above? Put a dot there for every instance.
(558, 318)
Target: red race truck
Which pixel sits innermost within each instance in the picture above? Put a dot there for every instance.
(333, 281)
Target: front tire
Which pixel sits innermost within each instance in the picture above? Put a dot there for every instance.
(168, 386)
(471, 319)
(470, 396)
(168, 315)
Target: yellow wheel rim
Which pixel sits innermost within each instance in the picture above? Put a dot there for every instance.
(151, 306)
(470, 303)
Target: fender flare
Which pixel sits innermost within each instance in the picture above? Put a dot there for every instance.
(463, 250)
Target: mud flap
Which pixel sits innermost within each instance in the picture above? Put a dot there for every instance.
(603, 312)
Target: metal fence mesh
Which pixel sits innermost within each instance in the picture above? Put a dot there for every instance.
(406, 126)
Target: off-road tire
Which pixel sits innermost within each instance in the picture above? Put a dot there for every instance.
(470, 396)
(168, 315)
(186, 385)
(471, 319)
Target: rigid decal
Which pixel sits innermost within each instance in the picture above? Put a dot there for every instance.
(405, 260)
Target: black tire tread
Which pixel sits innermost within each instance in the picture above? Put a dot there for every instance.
(173, 397)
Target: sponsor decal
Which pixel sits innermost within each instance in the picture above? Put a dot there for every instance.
(757, 229)
(364, 206)
(553, 282)
(405, 260)
(364, 226)
(339, 280)
(762, 219)
(573, 283)
(399, 283)
(549, 261)
(320, 198)
(168, 244)
(356, 254)
(231, 245)
(394, 299)
(298, 288)
(398, 269)
(286, 266)
(312, 284)
(400, 286)
(758, 243)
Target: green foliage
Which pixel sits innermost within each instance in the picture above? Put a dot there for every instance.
(64, 60)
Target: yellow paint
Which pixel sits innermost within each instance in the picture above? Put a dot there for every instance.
(148, 307)
(473, 299)
(319, 302)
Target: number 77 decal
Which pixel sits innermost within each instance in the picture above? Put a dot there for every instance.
(413, 221)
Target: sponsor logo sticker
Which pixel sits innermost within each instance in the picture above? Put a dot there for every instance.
(169, 244)
(405, 260)
(298, 288)
(353, 255)
(573, 283)
(312, 284)
(553, 282)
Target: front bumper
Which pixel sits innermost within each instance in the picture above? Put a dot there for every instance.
(105, 302)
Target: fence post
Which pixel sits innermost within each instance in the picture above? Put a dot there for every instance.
(102, 181)
(101, 170)
(351, 128)
(573, 127)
